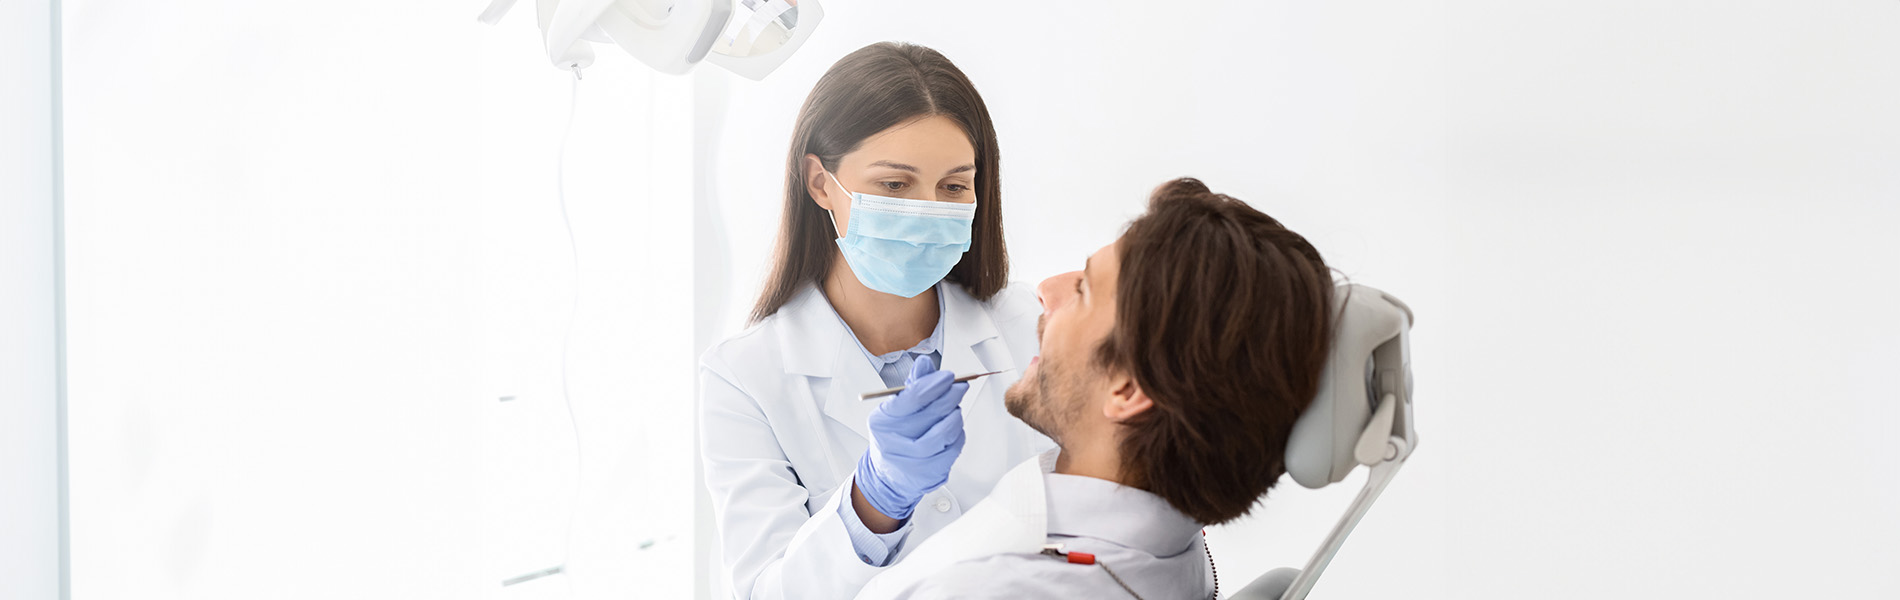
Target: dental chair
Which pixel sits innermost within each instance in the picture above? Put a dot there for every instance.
(1362, 415)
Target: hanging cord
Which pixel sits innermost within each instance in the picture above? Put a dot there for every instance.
(1118, 580)
(1210, 564)
(567, 335)
(567, 339)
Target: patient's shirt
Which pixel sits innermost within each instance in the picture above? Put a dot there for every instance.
(1154, 548)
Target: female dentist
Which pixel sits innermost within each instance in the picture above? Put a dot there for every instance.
(890, 262)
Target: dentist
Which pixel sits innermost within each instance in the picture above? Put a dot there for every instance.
(890, 270)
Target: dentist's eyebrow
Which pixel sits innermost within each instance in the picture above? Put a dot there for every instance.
(962, 169)
(895, 165)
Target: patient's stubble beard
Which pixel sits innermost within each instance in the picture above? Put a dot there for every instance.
(1049, 400)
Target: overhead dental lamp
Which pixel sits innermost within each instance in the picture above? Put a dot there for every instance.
(747, 37)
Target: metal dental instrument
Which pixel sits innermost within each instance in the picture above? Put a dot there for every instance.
(883, 393)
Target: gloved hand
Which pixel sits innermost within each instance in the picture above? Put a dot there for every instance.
(915, 438)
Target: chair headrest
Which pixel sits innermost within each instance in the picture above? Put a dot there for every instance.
(1371, 359)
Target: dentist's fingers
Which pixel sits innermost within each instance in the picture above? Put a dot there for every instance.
(918, 395)
(943, 435)
(956, 447)
(923, 366)
(942, 404)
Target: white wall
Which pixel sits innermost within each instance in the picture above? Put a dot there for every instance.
(311, 250)
(1673, 248)
(30, 534)
(1647, 244)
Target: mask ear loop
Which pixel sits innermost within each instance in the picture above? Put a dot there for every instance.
(828, 213)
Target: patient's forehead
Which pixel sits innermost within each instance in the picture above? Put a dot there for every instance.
(1104, 269)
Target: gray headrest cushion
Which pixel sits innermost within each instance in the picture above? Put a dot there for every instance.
(1320, 451)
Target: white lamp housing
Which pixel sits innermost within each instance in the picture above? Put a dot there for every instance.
(673, 35)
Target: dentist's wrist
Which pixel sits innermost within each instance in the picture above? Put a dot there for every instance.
(874, 521)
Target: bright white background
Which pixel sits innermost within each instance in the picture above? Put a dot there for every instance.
(1649, 246)
(1671, 270)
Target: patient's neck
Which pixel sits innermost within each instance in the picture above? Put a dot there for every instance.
(1090, 456)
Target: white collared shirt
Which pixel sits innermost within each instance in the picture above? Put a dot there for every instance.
(894, 367)
(1153, 548)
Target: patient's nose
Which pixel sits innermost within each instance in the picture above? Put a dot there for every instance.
(1056, 291)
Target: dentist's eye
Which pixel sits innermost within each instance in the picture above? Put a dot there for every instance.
(956, 188)
(892, 186)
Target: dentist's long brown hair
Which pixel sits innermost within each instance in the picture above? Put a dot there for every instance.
(870, 90)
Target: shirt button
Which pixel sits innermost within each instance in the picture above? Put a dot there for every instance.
(943, 505)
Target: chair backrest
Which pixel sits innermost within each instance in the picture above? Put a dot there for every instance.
(1371, 359)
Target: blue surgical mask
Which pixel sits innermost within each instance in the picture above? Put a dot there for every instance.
(900, 246)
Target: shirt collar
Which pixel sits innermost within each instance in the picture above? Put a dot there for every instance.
(1101, 509)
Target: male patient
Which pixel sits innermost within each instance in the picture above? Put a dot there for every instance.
(1173, 367)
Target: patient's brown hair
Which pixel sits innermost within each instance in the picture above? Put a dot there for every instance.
(1224, 320)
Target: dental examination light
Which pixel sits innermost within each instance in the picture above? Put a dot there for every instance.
(747, 37)
(1362, 415)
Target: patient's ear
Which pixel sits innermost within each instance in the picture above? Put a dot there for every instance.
(1125, 399)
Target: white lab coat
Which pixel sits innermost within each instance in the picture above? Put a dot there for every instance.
(782, 428)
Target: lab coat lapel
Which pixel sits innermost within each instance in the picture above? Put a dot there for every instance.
(836, 376)
(851, 375)
(809, 327)
(970, 345)
(970, 339)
